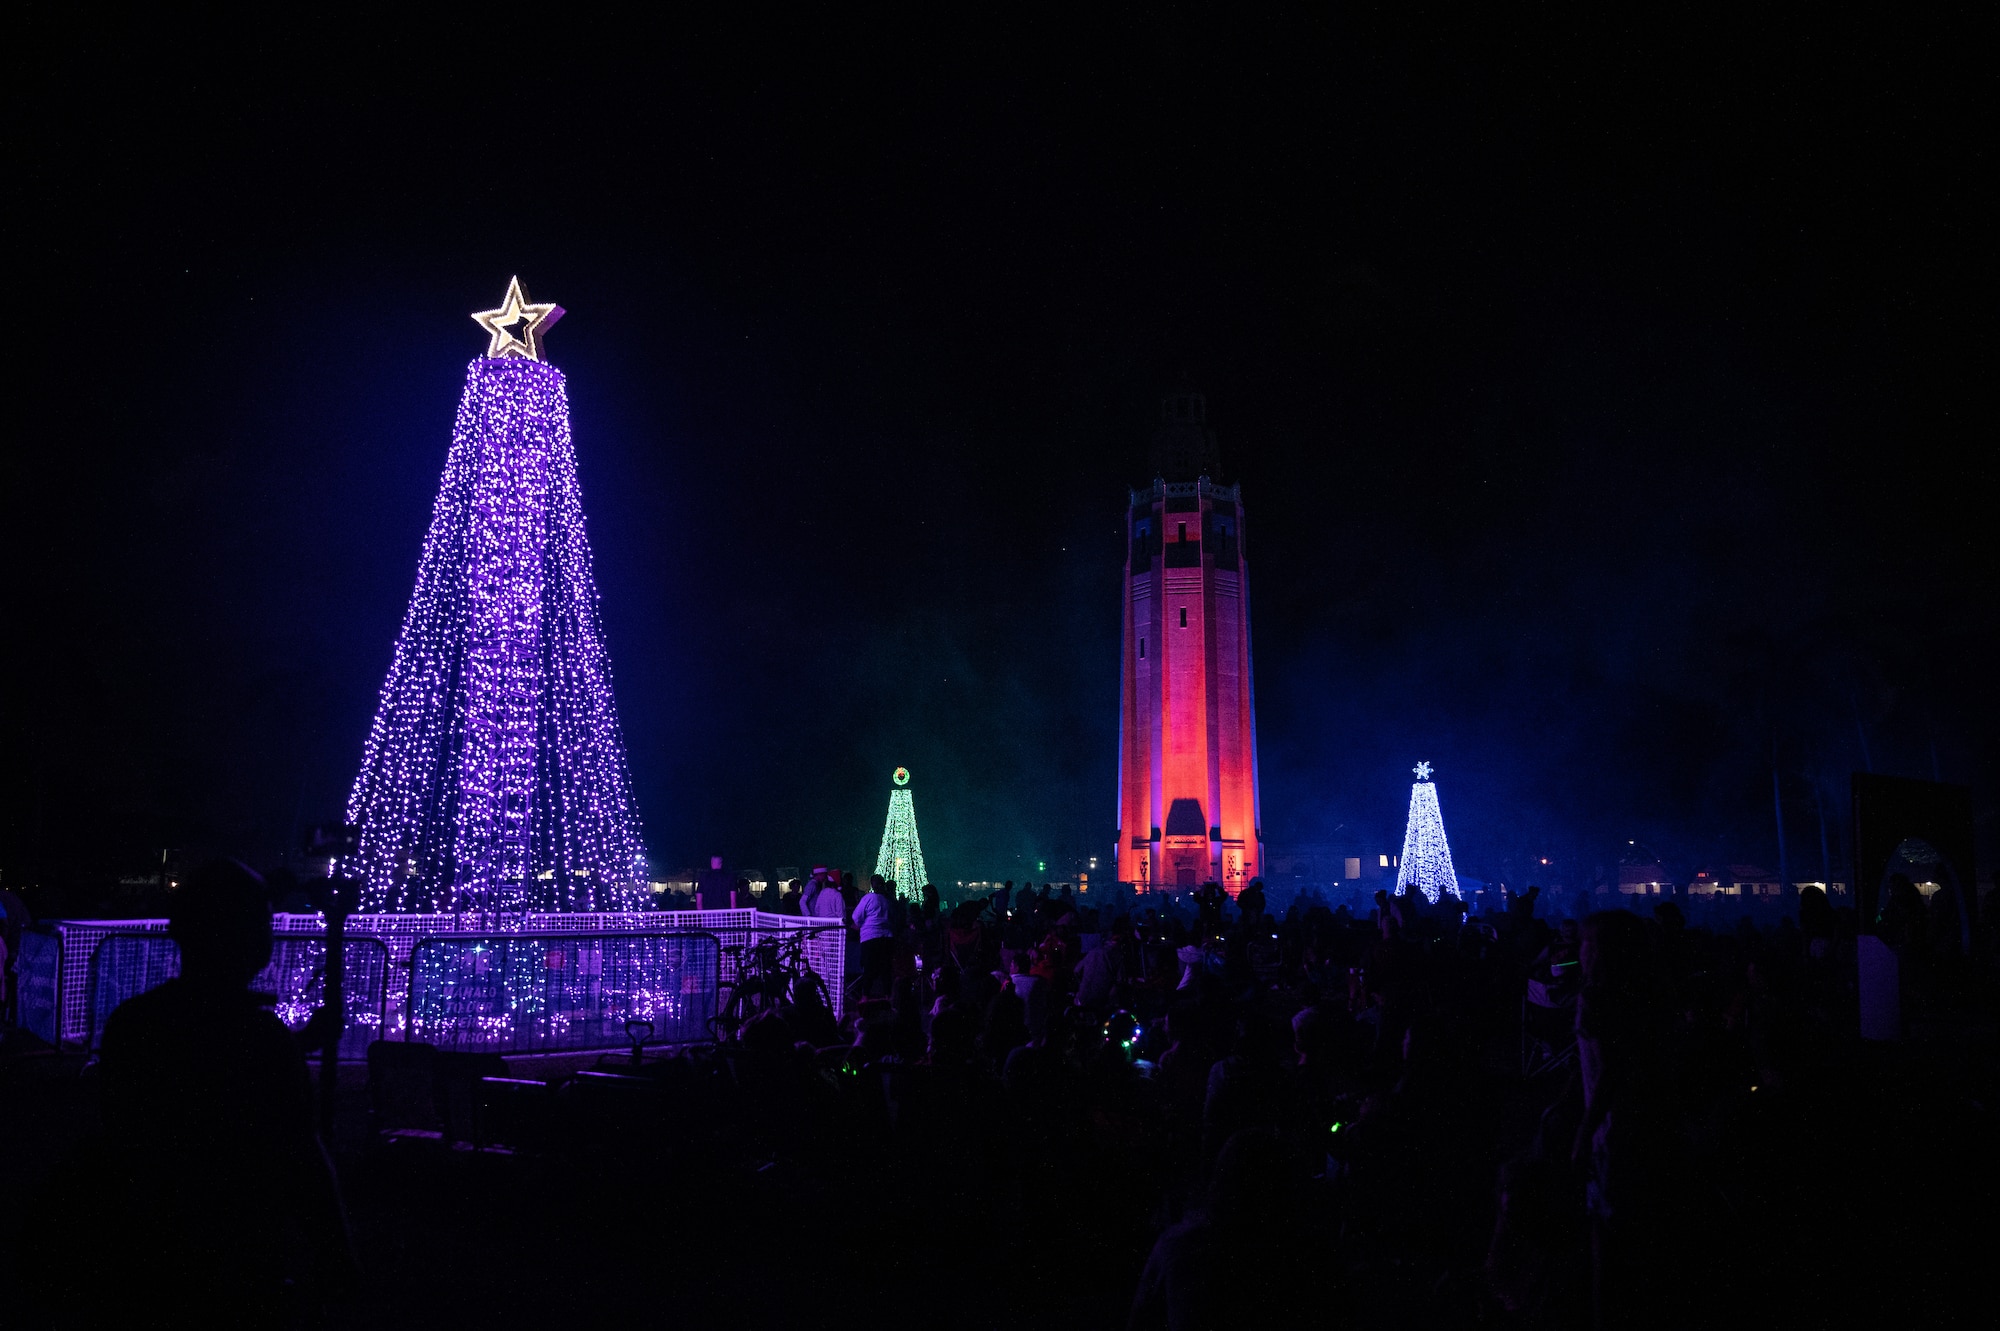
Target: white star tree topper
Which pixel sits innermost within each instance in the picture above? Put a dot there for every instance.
(1423, 771)
(517, 326)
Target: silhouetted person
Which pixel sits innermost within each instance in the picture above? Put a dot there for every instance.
(1815, 913)
(226, 1194)
(1248, 1089)
(1006, 1026)
(715, 886)
(822, 899)
(1626, 1144)
(1522, 908)
(1317, 1038)
(1251, 902)
(1100, 970)
(872, 920)
(1208, 901)
(1247, 1256)
(1903, 915)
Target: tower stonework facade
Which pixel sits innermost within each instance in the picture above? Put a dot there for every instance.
(1187, 735)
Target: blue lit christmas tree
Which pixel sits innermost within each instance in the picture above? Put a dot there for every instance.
(1426, 859)
(494, 776)
(901, 859)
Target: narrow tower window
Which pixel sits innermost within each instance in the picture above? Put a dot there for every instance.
(1183, 535)
(1183, 616)
(1142, 649)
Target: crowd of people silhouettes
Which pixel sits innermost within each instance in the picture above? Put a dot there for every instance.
(1170, 1112)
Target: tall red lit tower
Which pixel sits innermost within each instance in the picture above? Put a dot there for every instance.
(1187, 719)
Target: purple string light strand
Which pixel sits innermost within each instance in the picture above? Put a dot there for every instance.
(494, 778)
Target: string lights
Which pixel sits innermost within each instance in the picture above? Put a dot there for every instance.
(1426, 859)
(901, 859)
(494, 778)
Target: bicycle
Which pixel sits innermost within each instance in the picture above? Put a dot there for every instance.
(772, 973)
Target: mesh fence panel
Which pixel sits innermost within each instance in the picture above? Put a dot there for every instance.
(826, 952)
(62, 1007)
(522, 992)
(297, 977)
(38, 977)
(125, 965)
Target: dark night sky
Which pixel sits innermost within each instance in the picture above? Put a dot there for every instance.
(1612, 407)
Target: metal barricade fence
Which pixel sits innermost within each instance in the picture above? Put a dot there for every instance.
(55, 962)
(825, 952)
(297, 975)
(55, 998)
(535, 992)
(123, 966)
(38, 984)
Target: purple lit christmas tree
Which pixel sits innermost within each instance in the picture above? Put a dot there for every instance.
(494, 778)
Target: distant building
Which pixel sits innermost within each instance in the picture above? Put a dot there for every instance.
(1735, 880)
(1750, 881)
(1328, 864)
(1644, 878)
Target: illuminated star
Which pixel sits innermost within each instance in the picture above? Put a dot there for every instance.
(1423, 771)
(518, 325)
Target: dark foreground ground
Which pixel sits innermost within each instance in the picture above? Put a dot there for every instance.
(770, 1193)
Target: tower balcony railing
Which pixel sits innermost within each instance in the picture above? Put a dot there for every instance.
(1196, 489)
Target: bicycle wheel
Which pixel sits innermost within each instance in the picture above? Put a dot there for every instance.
(724, 1025)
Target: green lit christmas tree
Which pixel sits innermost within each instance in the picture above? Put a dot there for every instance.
(902, 856)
